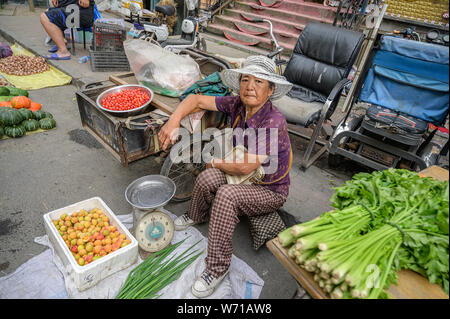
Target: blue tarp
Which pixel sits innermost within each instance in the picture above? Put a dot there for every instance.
(410, 77)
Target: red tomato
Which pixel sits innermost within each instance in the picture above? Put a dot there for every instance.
(125, 100)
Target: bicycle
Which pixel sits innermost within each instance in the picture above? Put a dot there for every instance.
(275, 55)
(351, 13)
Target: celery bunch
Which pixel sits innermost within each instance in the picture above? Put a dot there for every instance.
(384, 222)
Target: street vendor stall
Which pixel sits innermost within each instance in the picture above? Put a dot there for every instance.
(130, 138)
(410, 284)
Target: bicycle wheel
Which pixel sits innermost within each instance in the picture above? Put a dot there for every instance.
(183, 173)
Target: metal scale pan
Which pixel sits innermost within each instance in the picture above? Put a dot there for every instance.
(152, 227)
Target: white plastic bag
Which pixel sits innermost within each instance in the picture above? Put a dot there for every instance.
(163, 71)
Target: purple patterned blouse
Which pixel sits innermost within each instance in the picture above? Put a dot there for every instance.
(265, 134)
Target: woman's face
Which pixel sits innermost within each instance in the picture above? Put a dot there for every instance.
(254, 92)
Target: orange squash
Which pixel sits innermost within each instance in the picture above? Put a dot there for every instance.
(5, 104)
(34, 106)
(19, 102)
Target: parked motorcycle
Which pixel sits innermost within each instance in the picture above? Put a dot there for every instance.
(148, 27)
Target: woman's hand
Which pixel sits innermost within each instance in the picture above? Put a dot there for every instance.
(83, 3)
(55, 3)
(168, 133)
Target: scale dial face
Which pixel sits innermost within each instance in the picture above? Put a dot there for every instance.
(154, 231)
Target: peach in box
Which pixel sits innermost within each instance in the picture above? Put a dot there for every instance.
(84, 277)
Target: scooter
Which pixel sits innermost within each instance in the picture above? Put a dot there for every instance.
(148, 27)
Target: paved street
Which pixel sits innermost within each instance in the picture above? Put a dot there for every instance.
(46, 171)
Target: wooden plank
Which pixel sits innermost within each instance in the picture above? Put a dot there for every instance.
(410, 285)
(304, 278)
(436, 172)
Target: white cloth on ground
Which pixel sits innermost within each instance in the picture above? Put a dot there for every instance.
(41, 277)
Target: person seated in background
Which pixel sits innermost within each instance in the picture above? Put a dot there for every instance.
(55, 20)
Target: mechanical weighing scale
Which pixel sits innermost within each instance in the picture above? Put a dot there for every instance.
(152, 226)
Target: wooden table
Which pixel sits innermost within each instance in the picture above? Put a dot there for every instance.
(411, 285)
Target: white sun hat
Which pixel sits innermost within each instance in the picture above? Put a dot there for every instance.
(260, 67)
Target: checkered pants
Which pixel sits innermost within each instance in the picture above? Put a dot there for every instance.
(230, 201)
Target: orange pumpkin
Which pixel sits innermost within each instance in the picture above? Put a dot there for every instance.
(5, 104)
(19, 102)
(34, 106)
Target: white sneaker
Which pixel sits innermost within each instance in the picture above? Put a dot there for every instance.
(205, 285)
(182, 222)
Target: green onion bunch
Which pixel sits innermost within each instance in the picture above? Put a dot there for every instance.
(156, 272)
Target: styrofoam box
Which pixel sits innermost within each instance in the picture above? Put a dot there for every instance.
(89, 275)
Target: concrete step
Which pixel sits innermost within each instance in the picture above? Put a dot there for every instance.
(312, 9)
(298, 17)
(278, 24)
(259, 29)
(246, 39)
(288, 17)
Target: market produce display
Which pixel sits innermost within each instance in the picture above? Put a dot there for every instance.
(39, 115)
(19, 114)
(47, 123)
(15, 130)
(26, 113)
(384, 222)
(4, 91)
(4, 82)
(30, 125)
(10, 116)
(89, 236)
(19, 102)
(156, 272)
(125, 100)
(23, 65)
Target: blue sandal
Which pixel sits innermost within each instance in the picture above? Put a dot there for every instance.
(55, 56)
(55, 48)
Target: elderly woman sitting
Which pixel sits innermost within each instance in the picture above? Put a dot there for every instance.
(256, 84)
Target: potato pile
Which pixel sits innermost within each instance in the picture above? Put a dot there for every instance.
(23, 65)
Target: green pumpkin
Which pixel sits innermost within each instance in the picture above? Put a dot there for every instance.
(30, 125)
(48, 114)
(1, 132)
(15, 130)
(26, 113)
(38, 115)
(47, 123)
(10, 116)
